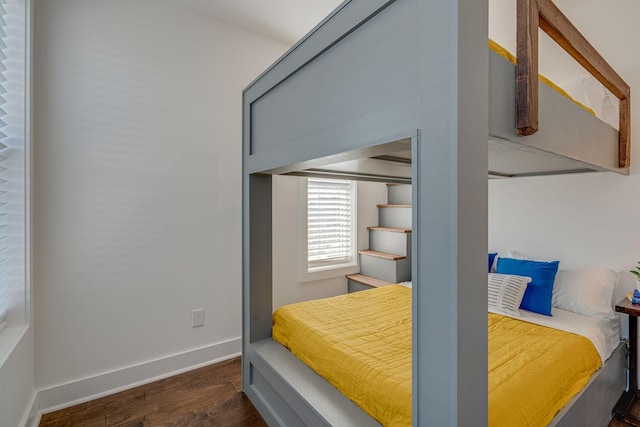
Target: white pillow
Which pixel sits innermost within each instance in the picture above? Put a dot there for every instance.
(587, 291)
(581, 289)
(506, 292)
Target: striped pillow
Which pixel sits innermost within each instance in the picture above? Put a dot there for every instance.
(506, 292)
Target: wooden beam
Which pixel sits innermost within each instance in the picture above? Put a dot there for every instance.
(543, 13)
(527, 67)
(624, 142)
(553, 22)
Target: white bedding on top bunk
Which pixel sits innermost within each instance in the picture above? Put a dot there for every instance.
(604, 334)
(591, 93)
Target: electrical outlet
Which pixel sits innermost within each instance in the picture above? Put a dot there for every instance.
(197, 317)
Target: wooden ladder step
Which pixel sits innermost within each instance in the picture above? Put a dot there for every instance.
(386, 205)
(374, 282)
(383, 255)
(390, 229)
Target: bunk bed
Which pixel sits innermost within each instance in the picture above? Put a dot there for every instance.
(359, 98)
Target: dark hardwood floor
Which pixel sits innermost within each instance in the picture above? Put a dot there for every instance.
(635, 412)
(209, 396)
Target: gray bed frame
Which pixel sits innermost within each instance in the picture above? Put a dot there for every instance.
(377, 78)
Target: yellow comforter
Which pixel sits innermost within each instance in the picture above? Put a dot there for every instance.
(361, 344)
(534, 371)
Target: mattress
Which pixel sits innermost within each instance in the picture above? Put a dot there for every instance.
(511, 58)
(361, 344)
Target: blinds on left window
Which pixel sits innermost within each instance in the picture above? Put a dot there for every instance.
(13, 161)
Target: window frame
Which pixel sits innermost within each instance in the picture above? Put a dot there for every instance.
(19, 318)
(330, 270)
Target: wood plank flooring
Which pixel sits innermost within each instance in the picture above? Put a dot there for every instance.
(209, 396)
(635, 412)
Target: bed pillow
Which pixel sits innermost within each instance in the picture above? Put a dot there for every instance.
(586, 291)
(492, 258)
(506, 292)
(537, 298)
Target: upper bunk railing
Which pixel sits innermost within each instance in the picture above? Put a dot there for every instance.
(532, 14)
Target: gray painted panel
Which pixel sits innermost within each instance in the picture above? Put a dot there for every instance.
(399, 194)
(372, 68)
(260, 246)
(384, 269)
(509, 159)
(353, 286)
(394, 243)
(563, 128)
(340, 23)
(392, 123)
(381, 170)
(394, 217)
(403, 268)
(311, 397)
(265, 391)
(450, 217)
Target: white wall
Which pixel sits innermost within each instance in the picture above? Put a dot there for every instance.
(553, 60)
(137, 211)
(17, 382)
(589, 218)
(286, 286)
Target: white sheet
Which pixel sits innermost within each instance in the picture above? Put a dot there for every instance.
(604, 334)
(591, 93)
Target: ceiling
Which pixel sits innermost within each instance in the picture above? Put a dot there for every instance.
(604, 22)
(288, 20)
(283, 20)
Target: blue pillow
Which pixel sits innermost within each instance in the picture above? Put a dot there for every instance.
(537, 297)
(492, 257)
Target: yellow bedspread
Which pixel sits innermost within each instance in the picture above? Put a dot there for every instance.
(361, 344)
(534, 371)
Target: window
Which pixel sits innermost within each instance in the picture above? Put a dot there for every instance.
(13, 164)
(329, 222)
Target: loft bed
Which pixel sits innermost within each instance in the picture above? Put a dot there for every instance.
(359, 98)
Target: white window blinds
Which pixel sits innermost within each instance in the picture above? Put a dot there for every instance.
(13, 181)
(330, 222)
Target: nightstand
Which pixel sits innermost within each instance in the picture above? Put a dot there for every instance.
(622, 411)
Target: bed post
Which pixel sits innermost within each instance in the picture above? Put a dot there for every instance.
(450, 217)
(527, 67)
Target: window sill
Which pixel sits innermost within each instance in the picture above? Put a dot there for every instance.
(328, 273)
(10, 338)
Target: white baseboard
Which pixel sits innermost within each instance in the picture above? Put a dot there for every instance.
(86, 389)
